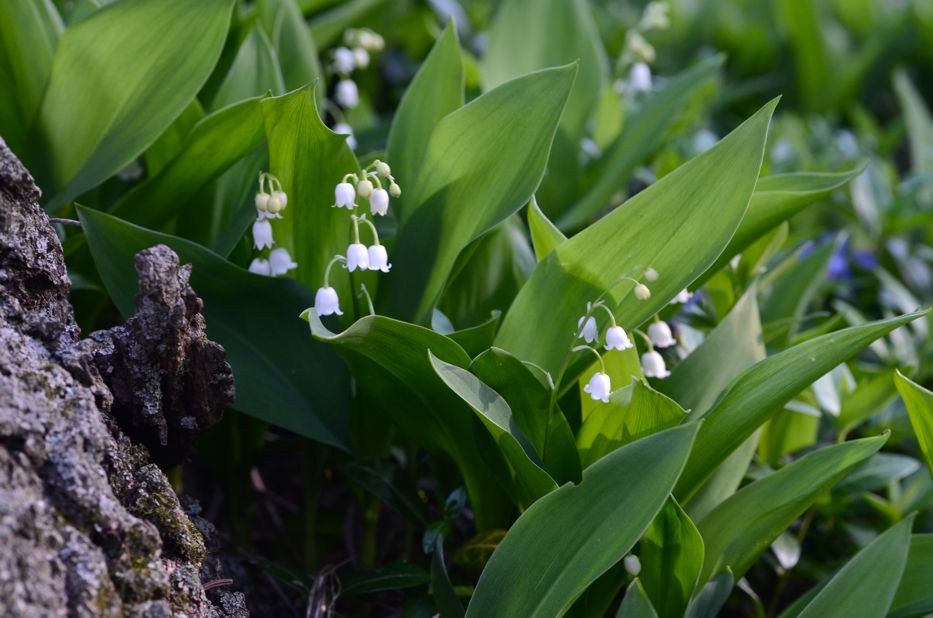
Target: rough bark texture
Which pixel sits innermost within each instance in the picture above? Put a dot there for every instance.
(88, 525)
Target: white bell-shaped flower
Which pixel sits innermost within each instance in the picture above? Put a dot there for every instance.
(361, 57)
(652, 365)
(379, 202)
(326, 302)
(378, 258)
(262, 234)
(632, 565)
(660, 335)
(347, 94)
(599, 387)
(617, 339)
(280, 262)
(357, 257)
(590, 331)
(642, 292)
(260, 266)
(342, 128)
(344, 60)
(345, 196)
(640, 77)
(683, 296)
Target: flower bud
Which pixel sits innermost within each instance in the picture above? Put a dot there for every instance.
(344, 60)
(326, 302)
(347, 94)
(395, 190)
(364, 189)
(382, 168)
(642, 292)
(379, 202)
(361, 57)
(274, 204)
(651, 275)
(632, 565)
(262, 201)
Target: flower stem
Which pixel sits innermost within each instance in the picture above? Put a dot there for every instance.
(645, 337)
(369, 300)
(372, 227)
(580, 348)
(334, 260)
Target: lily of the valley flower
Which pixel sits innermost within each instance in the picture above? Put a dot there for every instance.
(632, 565)
(280, 262)
(379, 202)
(599, 387)
(342, 128)
(344, 61)
(260, 266)
(365, 189)
(326, 302)
(394, 189)
(590, 332)
(361, 57)
(357, 257)
(660, 335)
(683, 296)
(378, 258)
(640, 77)
(642, 292)
(345, 196)
(651, 275)
(617, 339)
(652, 365)
(347, 94)
(262, 234)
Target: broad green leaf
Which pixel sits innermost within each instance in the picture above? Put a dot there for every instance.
(642, 134)
(919, 123)
(914, 595)
(776, 199)
(285, 26)
(710, 599)
(620, 365)
(254, 72)
(919, 404)
(878, 473)
(632, 413)
(309, 160)
(545, 236)
(474, 176)
(390, 361)
(445, 596)
(763, 389)
(529, 399)
(29, 31)
(671, 554)
(119, 79)
(766, 507)
(476, 339)
(866, 585)
(436, 90)
(531, 481)
(588, 528)
(281, 376)
(869, 397)
(528, 35)
(214, 145)
(636, 603)
(172, 140)
(679, 225)
(788, 431)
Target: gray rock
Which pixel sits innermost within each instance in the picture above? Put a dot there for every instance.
(89, 526)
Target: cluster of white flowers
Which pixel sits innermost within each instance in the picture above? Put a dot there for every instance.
(659, 335)
(270, 202)
(638, 53)
(358, 44)
(369, 187)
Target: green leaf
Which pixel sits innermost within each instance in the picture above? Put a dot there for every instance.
(390, 361)
(309, 160)
(436, 90)
(767, 506)
(172, 140)
(776, 199)
(476, 339)
(281, 377)
(671, 558)
(119, 79)
(528, 35)
(29, 32)
(327, 28)
(869, 397)
(678, 226)
(448, 604)
(529, 399)
(763, 389)
(588, 528)
(531, 480)
(474, 176)
(545, 236)
(285, 26)
(642, 134)
(396, 576)
(878, 473)
(254, 72)
(636, 603)
(632, 413)
(919, 123)
(914, 596)
(919, 404)
(711, 598)
(866, 585)
(379, 481)
(213, 146)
